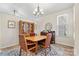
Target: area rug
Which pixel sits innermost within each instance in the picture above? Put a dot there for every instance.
(55, 51)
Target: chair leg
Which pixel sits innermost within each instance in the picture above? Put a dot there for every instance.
(20, 52)
(45, 52)
(36, 48)
(26, 53)
(36, 53)
(50, 48)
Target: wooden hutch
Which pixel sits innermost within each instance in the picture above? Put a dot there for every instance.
(26, 27)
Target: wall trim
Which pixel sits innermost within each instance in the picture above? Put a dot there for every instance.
(1, 49)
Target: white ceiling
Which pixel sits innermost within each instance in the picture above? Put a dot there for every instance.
(26, 9)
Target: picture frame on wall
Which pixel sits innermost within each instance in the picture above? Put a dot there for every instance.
(11, 24)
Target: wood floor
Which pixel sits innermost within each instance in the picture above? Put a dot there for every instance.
(68, 51)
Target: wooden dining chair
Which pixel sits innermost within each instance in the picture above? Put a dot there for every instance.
(32, 34)
(46, 44)
(26, 45)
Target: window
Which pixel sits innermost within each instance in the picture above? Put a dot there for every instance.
(61, 25)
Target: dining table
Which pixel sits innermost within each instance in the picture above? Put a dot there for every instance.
(36, 39)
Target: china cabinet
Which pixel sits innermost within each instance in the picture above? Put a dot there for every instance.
(26, 27)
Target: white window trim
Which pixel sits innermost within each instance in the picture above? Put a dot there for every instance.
(58, 22)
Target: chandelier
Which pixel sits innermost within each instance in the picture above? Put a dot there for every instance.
(38, 11)
(14, 11)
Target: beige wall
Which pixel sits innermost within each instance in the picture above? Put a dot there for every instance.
(76, 12)
(0, 31)
(9, 36)
(52, 18)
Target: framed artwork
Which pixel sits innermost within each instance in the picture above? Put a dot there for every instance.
(11, 24)
(48, 26)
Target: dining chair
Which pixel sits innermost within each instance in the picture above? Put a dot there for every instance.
(32, 34)
(46, 44)
(26, 45)
(43, 34)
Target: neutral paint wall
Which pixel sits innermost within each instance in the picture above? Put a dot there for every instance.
(76, 12)
(9, 35)
(0, 31)
(52, 18)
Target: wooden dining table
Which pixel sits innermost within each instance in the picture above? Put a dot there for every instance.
(36, 39)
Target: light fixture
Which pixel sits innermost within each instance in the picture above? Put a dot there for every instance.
(14, 11)
(38, 11)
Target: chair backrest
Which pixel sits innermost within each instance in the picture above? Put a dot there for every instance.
(32, 34)
(22, 42)
(43, 33)
(47, 41)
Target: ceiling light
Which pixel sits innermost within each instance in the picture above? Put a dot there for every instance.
(38, 11)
